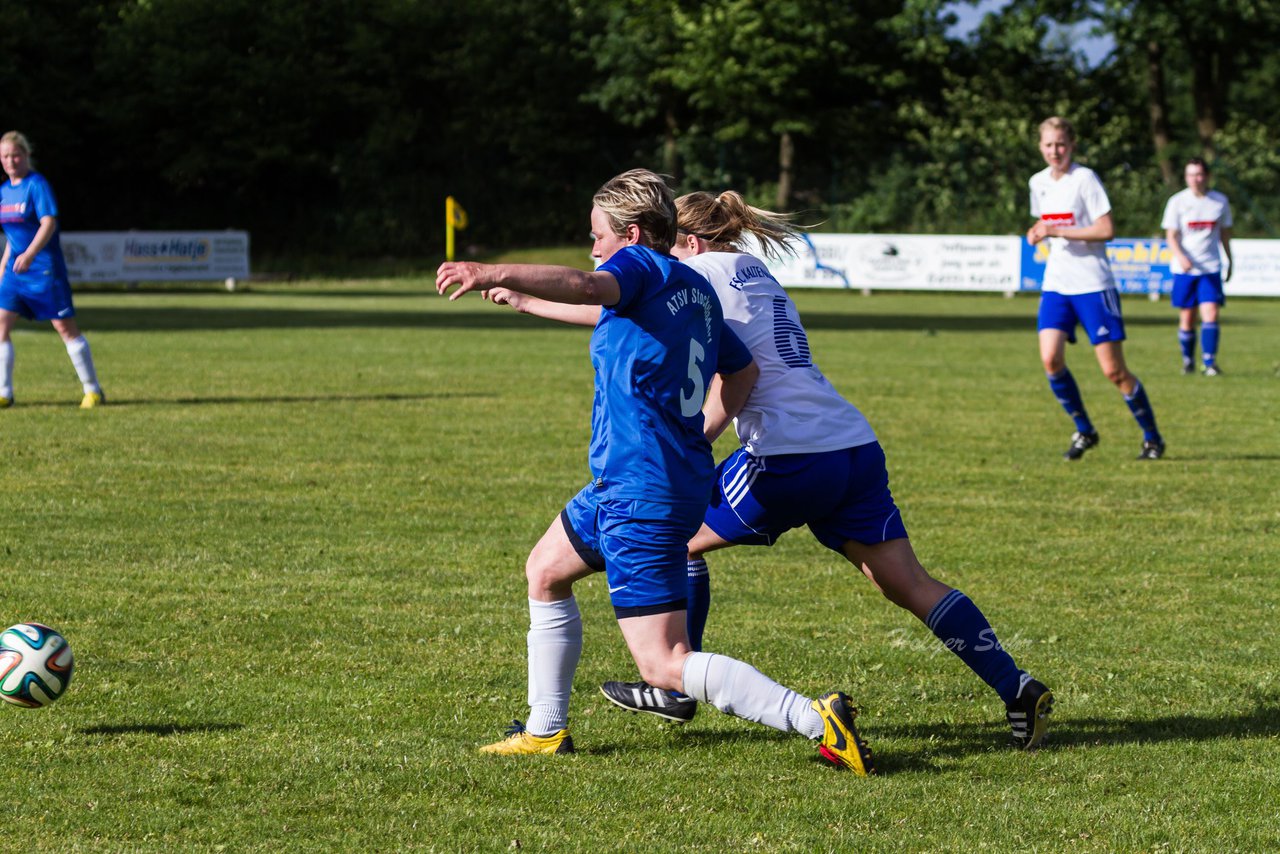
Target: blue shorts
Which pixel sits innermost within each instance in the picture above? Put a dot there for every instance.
(1190, 291)
(1098, 313)
(50, 303)
(841, 495)
(642, 547)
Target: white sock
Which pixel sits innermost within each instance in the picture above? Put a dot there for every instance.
(738, 689)
(78, 350)
(555, 645)
(6, 369)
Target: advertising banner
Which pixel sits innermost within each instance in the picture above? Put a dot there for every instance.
(903, 262)
(1141, 266)
(150, 256)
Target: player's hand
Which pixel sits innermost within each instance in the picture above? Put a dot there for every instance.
(1185, 263)
(1037, 232)
(506, 296)
(22, 263)
(465, 275)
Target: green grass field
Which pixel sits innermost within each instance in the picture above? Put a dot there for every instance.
(289, 558)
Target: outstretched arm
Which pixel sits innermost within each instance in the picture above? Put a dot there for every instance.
(728, 394)
(578, 315)
(554, 284)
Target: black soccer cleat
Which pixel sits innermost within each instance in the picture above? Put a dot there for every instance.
(1211, 371)
(1080, 442)
(1152, 450)
(1028, 715)
(643, 697)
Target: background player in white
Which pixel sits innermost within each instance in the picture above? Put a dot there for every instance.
(1073, 213)
(809, 457)
(34, 283)
(1196, 221)
(659, 337)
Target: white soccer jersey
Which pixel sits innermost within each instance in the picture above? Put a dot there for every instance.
(1199, 221)
(1075, 200)
(793, 408)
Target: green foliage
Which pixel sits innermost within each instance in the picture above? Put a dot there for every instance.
(339, 126)
(288, 557)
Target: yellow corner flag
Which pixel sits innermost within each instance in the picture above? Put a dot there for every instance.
(455, 219)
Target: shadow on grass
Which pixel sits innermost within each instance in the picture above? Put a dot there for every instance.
(147, 318)
(157, 729)
(116, 403)
(949, 740)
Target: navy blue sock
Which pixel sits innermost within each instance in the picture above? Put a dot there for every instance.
(1068, 394)
(958, 623)
(1209, 342)
(1141, 409)
(1187, 338)
(699, 602)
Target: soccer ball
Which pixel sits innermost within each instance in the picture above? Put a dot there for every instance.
(35, 665)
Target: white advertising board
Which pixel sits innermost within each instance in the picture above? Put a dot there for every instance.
(149, 256)
(939, 262)
(1257, 269)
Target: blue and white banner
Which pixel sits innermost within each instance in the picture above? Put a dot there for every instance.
(151, 256)
(1006, 264)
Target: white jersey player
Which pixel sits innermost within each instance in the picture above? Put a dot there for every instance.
(809, 457)
(1197, 221)
(1074, 215)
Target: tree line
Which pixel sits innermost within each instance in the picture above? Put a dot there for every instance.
(337, 127)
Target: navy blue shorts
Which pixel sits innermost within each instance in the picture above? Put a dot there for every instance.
(841, 495)
(1190, 291)
(51, 303)
(642, 547)
(1098, 313)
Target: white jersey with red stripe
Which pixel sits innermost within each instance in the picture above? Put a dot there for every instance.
(1075, 200)
(1199, 221)
(793, 408)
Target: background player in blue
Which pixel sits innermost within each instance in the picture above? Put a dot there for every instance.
(658, 340)
(809, 457)
(1073, 214)
(1197, 221)
(34, 283)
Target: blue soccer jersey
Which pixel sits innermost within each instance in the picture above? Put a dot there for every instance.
(21, 207)
(654, 353)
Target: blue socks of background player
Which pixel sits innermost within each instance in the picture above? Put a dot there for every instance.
(1141, 409)
(1209, 342)
(962, 628)
(1187, 341)
(699, 602)
(1068, 394)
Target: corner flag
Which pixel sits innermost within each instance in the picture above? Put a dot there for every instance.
(455, 218)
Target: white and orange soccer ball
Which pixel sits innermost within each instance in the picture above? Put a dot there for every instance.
(35, 665)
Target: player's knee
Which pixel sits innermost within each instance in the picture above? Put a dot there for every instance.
(1118, 375)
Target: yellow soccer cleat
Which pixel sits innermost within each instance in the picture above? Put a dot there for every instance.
(6, 402)
(521, 742)
(93, 399)
(841, 745)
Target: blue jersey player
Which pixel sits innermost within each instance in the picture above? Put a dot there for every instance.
(34, 282)
(658, 342)
(810, 458)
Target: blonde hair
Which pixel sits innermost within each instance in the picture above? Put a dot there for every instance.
(641, 198)
(19, 141)
(1059, 123)
(722, 220)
